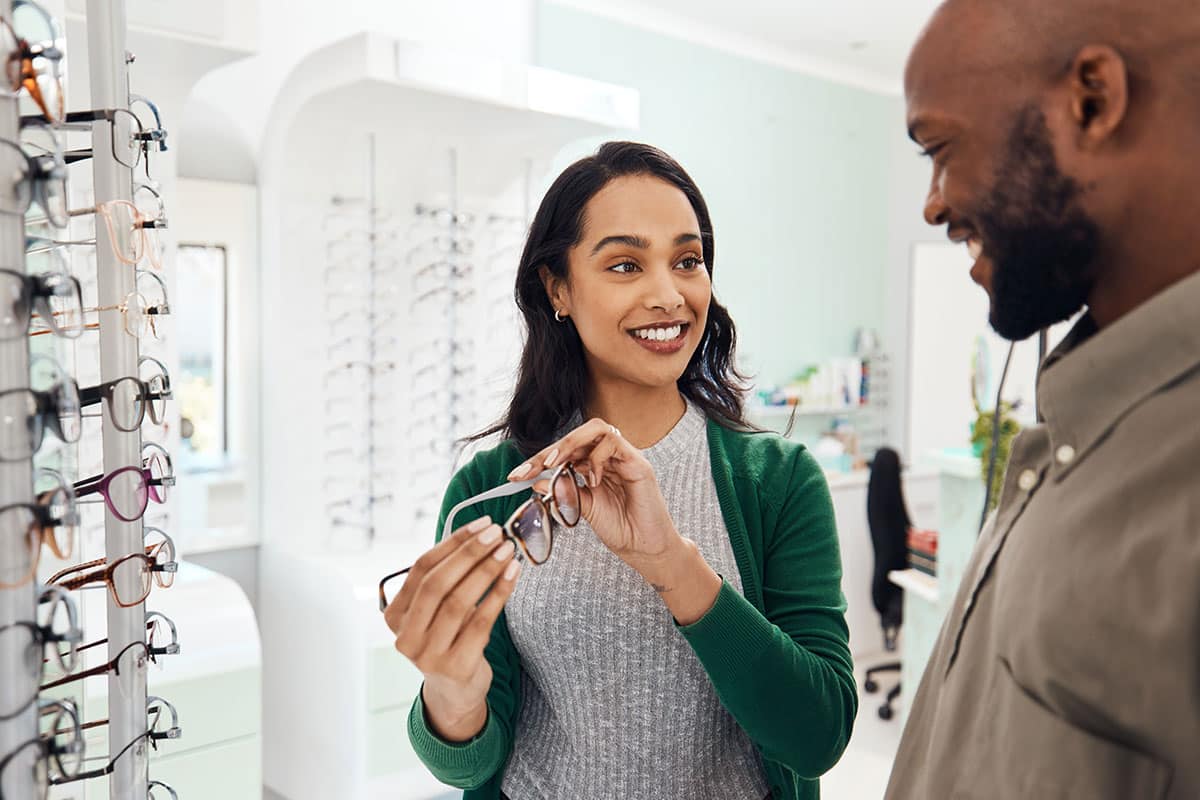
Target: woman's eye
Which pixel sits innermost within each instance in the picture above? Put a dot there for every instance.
(624, 268)
(691, 263)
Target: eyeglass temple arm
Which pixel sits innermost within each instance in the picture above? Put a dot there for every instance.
(491, 494)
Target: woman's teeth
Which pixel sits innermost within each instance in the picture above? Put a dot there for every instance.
(975, 248)
(659, 334)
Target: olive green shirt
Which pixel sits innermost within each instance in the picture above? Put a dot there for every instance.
(1069, 665)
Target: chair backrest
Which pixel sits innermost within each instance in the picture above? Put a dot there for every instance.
(887, 517)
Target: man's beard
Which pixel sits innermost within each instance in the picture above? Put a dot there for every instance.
(1042, 244)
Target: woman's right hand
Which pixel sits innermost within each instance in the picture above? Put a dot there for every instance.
(442, 626)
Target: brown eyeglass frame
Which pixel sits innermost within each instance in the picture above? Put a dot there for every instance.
(102, 669)
(545, 500)
(105, 575)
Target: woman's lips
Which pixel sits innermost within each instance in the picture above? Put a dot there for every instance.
(663, 347)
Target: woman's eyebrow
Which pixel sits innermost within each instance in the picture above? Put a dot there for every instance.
(625, 239)
(641, 243)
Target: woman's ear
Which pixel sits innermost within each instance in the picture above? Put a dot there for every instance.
(556, 291)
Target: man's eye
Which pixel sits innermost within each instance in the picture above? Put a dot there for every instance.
(932, 151)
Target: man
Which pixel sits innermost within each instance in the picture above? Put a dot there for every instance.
(1064, 136)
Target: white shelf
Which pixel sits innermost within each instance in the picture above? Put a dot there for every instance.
(920, 584)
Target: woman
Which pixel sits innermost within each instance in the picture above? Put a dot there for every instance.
(686, 638)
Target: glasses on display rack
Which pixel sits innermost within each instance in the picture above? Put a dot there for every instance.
(157, 790)
(154, 137)
(122, 215)
(56, 630)
(52, 521)
(150, 203)
(39, 178)
(443, 245)
(434, 351)
(55, 297)
(127, 491)
(444, 216)
(34, 56)
(162, 638)
(156, 565)
(128, 400)
(157, 544)
(363, 340)
(133, 656)
(127, 137)
(117, 215)
(162, 723)
(444, 293)
(138, 317)
(531, 526)
(60, 750)
(352, 370)
(25, 415)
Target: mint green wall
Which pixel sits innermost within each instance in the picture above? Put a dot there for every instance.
(794, 169)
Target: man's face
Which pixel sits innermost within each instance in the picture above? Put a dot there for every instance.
(998, 186)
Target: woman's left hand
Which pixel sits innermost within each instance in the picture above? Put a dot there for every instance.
(622, 501)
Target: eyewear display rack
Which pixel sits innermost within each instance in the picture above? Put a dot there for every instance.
(109, 71)
(118, 357)
(17, 605)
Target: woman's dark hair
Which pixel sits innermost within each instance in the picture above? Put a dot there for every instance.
(552, 378)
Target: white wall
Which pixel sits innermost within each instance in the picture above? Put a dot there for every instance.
(211, 212)
(291, 29)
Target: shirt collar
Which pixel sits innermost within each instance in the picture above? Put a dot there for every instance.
(1095, 377)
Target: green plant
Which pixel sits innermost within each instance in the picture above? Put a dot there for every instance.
(981, 438)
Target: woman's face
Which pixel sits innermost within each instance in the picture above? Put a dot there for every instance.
(637, 290)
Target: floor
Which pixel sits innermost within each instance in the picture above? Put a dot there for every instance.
(863, 772)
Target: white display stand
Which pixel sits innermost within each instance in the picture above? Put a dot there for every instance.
(336, 694)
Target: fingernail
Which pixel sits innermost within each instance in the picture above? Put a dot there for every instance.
(511, 570)
(479, 524)
(595, 479)
(490, 535)
(503, 551)
(550, 457)
(519, 471)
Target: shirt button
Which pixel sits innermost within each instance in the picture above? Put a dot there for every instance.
(1066, 454)
(1027, 480)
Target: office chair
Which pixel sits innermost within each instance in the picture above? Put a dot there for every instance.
(887, 517)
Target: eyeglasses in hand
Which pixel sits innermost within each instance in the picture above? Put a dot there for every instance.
(531, 526)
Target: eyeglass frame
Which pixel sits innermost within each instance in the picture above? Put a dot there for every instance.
(36, 292)
(545, 500)
(98, 484)
(167, 544)
(49, 750)
(28, 53)
(38, 171)
(45, 521)
(147, 394)
(174, 732)
(42, 635)
(48, 413)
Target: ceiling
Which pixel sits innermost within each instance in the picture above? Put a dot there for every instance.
(860, 42)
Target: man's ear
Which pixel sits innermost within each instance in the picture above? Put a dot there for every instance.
(556, 291)
(1099, 92)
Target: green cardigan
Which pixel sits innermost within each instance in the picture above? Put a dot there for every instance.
(778, 657)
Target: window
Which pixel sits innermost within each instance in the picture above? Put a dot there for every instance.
(201, 387)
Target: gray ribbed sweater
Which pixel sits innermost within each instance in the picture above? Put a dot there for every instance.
(615, 703)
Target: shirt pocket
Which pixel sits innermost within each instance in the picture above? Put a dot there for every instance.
(1029, 751)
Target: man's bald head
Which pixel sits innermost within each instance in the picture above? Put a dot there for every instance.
(1036, 40)
(1059, 131)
